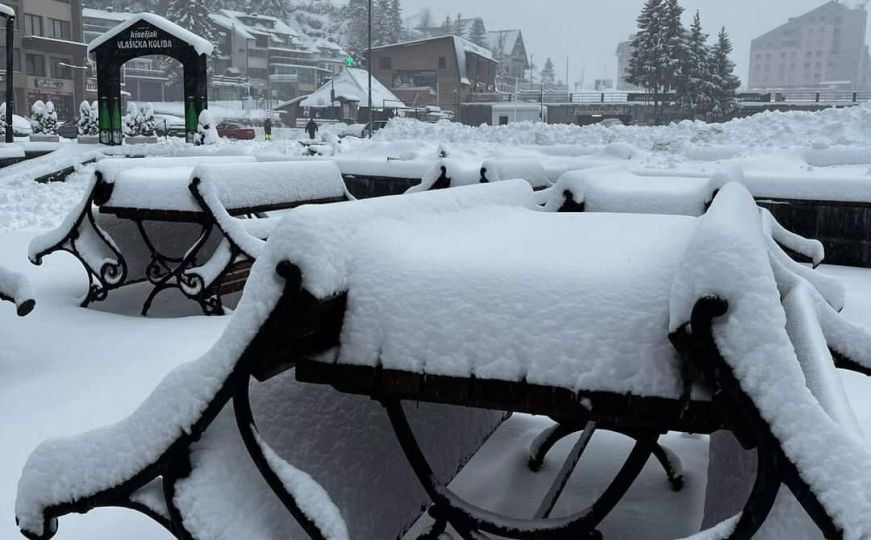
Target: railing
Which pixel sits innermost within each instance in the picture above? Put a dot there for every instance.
(826, 97)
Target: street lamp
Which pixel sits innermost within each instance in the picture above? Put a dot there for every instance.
(9, 13)
(369, 69)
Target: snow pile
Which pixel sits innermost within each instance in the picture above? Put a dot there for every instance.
(207, 129)
(768, 130)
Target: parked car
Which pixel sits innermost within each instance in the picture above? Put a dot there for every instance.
(69, 129)
(232, 130)
(21, 126)
(167, 125)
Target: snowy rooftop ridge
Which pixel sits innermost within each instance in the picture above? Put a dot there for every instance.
(461, 43)
(352, 85)
(6, 10)
(202, 46)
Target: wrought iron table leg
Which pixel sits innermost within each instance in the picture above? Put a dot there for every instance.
(465, 517)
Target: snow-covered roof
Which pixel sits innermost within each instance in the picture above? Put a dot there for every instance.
(461, 46)
(228, 23)
(506, 38)
(352, 84)
(248, 22)
(91, 13)
(6, 10)
(201, 45)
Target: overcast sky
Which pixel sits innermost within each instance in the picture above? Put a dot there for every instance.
(588, 31)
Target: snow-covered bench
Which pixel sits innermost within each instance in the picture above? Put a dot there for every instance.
(453, 172)
(97, 238)
(622, 346)
(244, 202)
(16, 288)
(179, 458)
(141, 221)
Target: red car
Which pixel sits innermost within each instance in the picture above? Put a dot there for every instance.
(231, 130)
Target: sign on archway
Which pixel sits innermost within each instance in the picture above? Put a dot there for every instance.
(148, 34)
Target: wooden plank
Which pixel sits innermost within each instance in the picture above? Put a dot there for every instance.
(608, 410)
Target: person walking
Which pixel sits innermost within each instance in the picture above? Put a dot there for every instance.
(311, 128)
(267, 129)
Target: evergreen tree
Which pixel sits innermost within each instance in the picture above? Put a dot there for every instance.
(192, 15)
(426, 19)
(478, 33)
(357, 15)
(274, 8)
(694, 85)
(548, 75)
(657, 49)
(447, 26)
(459, 26)
(380, 23)
(395, 19)
(725, 82)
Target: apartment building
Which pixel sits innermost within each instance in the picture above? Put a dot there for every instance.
(824, 48)
(49, 55)
(624, 53)
(277, 62)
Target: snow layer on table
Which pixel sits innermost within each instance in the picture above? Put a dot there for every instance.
(110, 168)
(319, 238)
(460, 173)
(390, 168)
(249, 185)
(436, 294)
(817, 186)
(530, 170)
(154, 189)
(728, 257)
(615, 189)
(201, 45)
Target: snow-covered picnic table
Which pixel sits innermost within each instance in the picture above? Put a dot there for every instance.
(474, 297)
(15, 288)
(175, 222)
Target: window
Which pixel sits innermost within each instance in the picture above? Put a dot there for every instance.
(261, 41)
(35, 64)
(16, 59)
(503, 120)
(257, 53)
(385, 62)
(256, 73)
(61, 72)
(443, 62)
(59, 29)
(32, 25)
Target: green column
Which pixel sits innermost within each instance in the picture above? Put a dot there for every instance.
(104, 120)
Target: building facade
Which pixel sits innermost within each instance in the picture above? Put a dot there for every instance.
(509, 50)
(276, 62)
(49, 55)
(624, 53)
(824, 48)
(442, 71)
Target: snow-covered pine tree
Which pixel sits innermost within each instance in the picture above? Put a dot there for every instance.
(395, 18)
(725, 81)
(380, 22)
(425, 19)
(49, 119)
(147, 124)
(2, 118)
(130, 125)
(694, 84)
(478, 32)
(674, 40)
(459, 26)
(273, 8)
(448, 26)
(87, 124)
(191, 15)
(37, 111)
(357, 15)
(548, 75)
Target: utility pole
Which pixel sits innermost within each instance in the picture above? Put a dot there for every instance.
(10, 99)
(369, 69)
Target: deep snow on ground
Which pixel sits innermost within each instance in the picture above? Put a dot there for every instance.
(64, 369)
